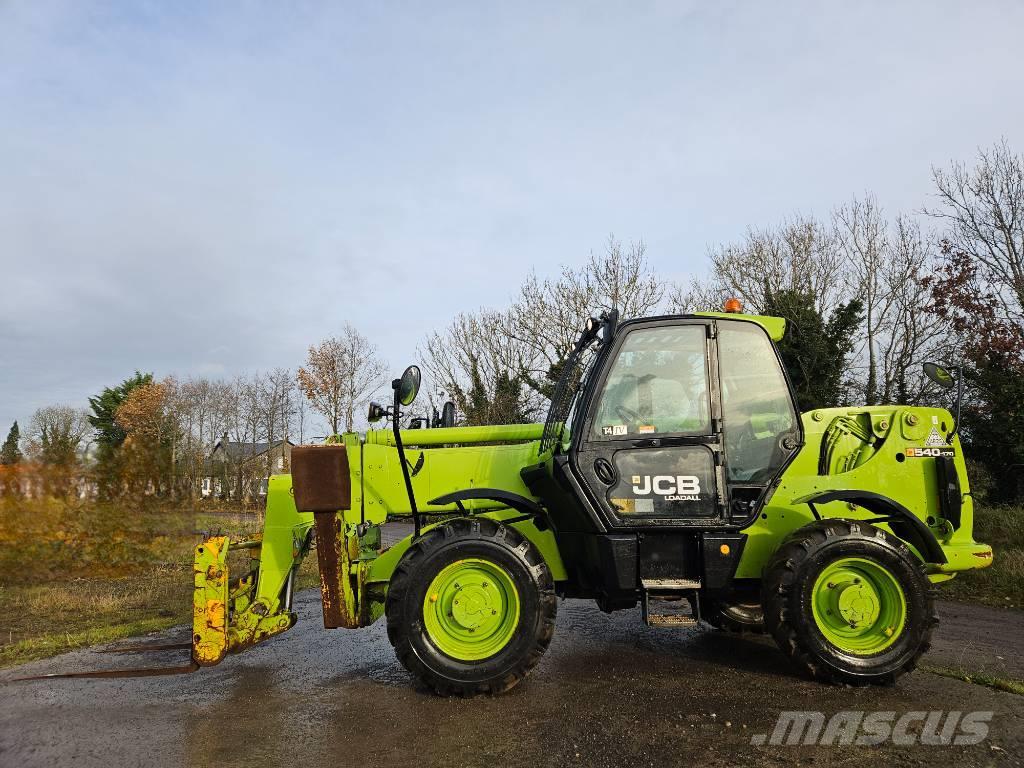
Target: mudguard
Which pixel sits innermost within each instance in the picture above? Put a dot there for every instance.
(507, 498)
(902, 521)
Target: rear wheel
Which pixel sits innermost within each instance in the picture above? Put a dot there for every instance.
(471, 607)
(848, 602)
(736, 613)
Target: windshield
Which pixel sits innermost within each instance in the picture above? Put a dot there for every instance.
(657, 384)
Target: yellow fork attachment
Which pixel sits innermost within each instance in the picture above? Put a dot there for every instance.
(210, 601)
(228, 615)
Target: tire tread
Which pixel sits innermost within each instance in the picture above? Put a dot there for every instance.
(781, 576)
(403, 579)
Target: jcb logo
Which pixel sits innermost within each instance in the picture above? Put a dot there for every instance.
(672, 487)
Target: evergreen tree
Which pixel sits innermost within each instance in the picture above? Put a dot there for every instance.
(815, 349)
(109, 434)
(10, 453)
(504, 404)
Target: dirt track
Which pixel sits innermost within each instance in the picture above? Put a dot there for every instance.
(610, 691)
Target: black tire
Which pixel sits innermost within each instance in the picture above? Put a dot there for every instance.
(786, 596)
(736, 613)
(440, 547)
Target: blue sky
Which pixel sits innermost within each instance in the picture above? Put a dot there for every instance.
(207, 188)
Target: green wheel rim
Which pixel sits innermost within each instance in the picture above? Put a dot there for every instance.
(859, 606)
(471, 609)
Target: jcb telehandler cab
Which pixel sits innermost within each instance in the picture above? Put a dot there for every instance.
(673, 471)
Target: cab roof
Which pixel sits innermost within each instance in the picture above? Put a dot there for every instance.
(775, 326)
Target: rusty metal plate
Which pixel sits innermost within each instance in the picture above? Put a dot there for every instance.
(329, 558)
(320, 478)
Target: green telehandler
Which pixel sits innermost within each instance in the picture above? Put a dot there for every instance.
(673, 471)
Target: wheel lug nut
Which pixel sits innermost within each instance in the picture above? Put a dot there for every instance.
(494, 613)
(856, 580)
(484, 584)
(831, 585)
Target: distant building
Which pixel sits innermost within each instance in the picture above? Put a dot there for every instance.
(236, 470)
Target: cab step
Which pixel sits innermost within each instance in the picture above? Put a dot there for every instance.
(674, 602)
(669, 584)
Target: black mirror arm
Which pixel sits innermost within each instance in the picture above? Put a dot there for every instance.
(959, 401)
(395, 415)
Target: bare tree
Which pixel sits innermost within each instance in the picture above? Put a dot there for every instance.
(862, 238)
(340, 376)
(698, 295)
(801, 255)
(196, 407)
(301, 418)
(548, 314)
(56, 434)
(483, 368)
(911, 336)
(276, 403)
(984, 209)
(857, 254)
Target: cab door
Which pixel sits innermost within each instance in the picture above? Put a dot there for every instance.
(649, 448)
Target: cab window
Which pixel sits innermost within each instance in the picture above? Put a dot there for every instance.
(756, 404)
(657, 384)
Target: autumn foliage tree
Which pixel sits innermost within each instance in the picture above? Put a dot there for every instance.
(340, 375)
(109, 434)
(150, 437)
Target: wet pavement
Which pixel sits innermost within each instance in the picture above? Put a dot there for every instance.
(609, 692)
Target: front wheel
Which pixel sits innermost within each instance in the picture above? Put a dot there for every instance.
(848, 602)
(471, 607)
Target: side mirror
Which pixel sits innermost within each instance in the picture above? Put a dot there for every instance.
(947, 380)
(408, 386)
(376, 413)
(940, 375)
(448, 414)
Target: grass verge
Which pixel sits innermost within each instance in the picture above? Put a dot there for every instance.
(1008, 685)
(73, 604)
